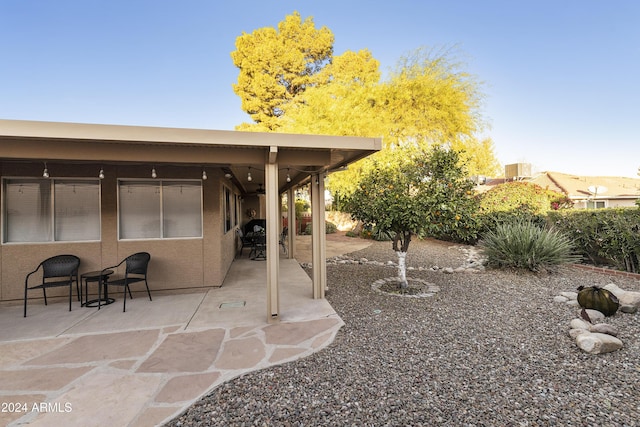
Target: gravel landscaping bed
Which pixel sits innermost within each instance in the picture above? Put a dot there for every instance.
(488, 349)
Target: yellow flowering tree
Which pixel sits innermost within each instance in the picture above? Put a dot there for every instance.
(276, 65)
(427, 100)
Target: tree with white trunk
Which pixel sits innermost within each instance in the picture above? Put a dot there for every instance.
(416, 193)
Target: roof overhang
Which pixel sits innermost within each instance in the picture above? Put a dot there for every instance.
(239, 151)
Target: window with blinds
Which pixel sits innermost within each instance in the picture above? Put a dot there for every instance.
(48, 210)
(159, 209)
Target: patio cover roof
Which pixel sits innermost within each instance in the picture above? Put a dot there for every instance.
(238, 151)
(273, 155)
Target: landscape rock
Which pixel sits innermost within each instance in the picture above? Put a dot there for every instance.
(594, 315)
(580, 324)
(473, 263)
(496, 361)
(614, 289)
(596, 343)
(569, 295)
(590, 335)
(603, 328)
(624, 297)
(630, 298)
(573, 333)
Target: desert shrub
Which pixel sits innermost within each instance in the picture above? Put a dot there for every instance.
(329, 228)
(516, 202)
(380, 234)
(603, 236)
(307, 229)
(488, 221)
(525, 245)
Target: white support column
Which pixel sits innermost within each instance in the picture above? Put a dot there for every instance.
(273, 230)
(318, 236)
(291, 221)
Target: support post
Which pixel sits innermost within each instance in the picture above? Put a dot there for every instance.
(273, 229)
(318, 237)
(291, 221)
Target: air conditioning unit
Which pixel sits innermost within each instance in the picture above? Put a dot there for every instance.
(517, 171)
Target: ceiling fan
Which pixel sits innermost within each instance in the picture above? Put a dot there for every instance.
(259, 191)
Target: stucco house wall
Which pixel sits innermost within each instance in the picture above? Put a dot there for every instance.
(282, 162)
(176, 264)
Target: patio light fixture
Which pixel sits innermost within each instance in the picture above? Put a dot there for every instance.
(153, 173)
(204, 175)
(101, 174)
(45, 172)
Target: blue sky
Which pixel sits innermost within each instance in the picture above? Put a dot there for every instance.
(561, 77)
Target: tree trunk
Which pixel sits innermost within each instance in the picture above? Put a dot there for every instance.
(400, 245)
(402, 269)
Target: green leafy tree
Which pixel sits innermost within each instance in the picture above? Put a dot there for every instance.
(278, 65)
(416, 193)
(525, 197)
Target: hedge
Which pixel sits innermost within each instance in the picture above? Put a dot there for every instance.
(603, 236)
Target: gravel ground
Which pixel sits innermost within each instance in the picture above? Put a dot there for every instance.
(489, 349)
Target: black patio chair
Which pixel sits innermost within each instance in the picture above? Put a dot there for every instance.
(57, 271)
(259, 248)
(283, 239)
(244, 240)
(135, 271)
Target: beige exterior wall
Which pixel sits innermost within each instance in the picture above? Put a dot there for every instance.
(175, 263)
(620, 203)
(609, 203)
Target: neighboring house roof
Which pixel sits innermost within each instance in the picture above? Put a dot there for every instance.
(577, 187)
(581, 187)
(489, 183)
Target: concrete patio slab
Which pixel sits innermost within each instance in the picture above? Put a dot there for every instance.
(185, 352)
(90, 367)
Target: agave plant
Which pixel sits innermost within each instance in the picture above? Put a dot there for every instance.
(523, 244)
